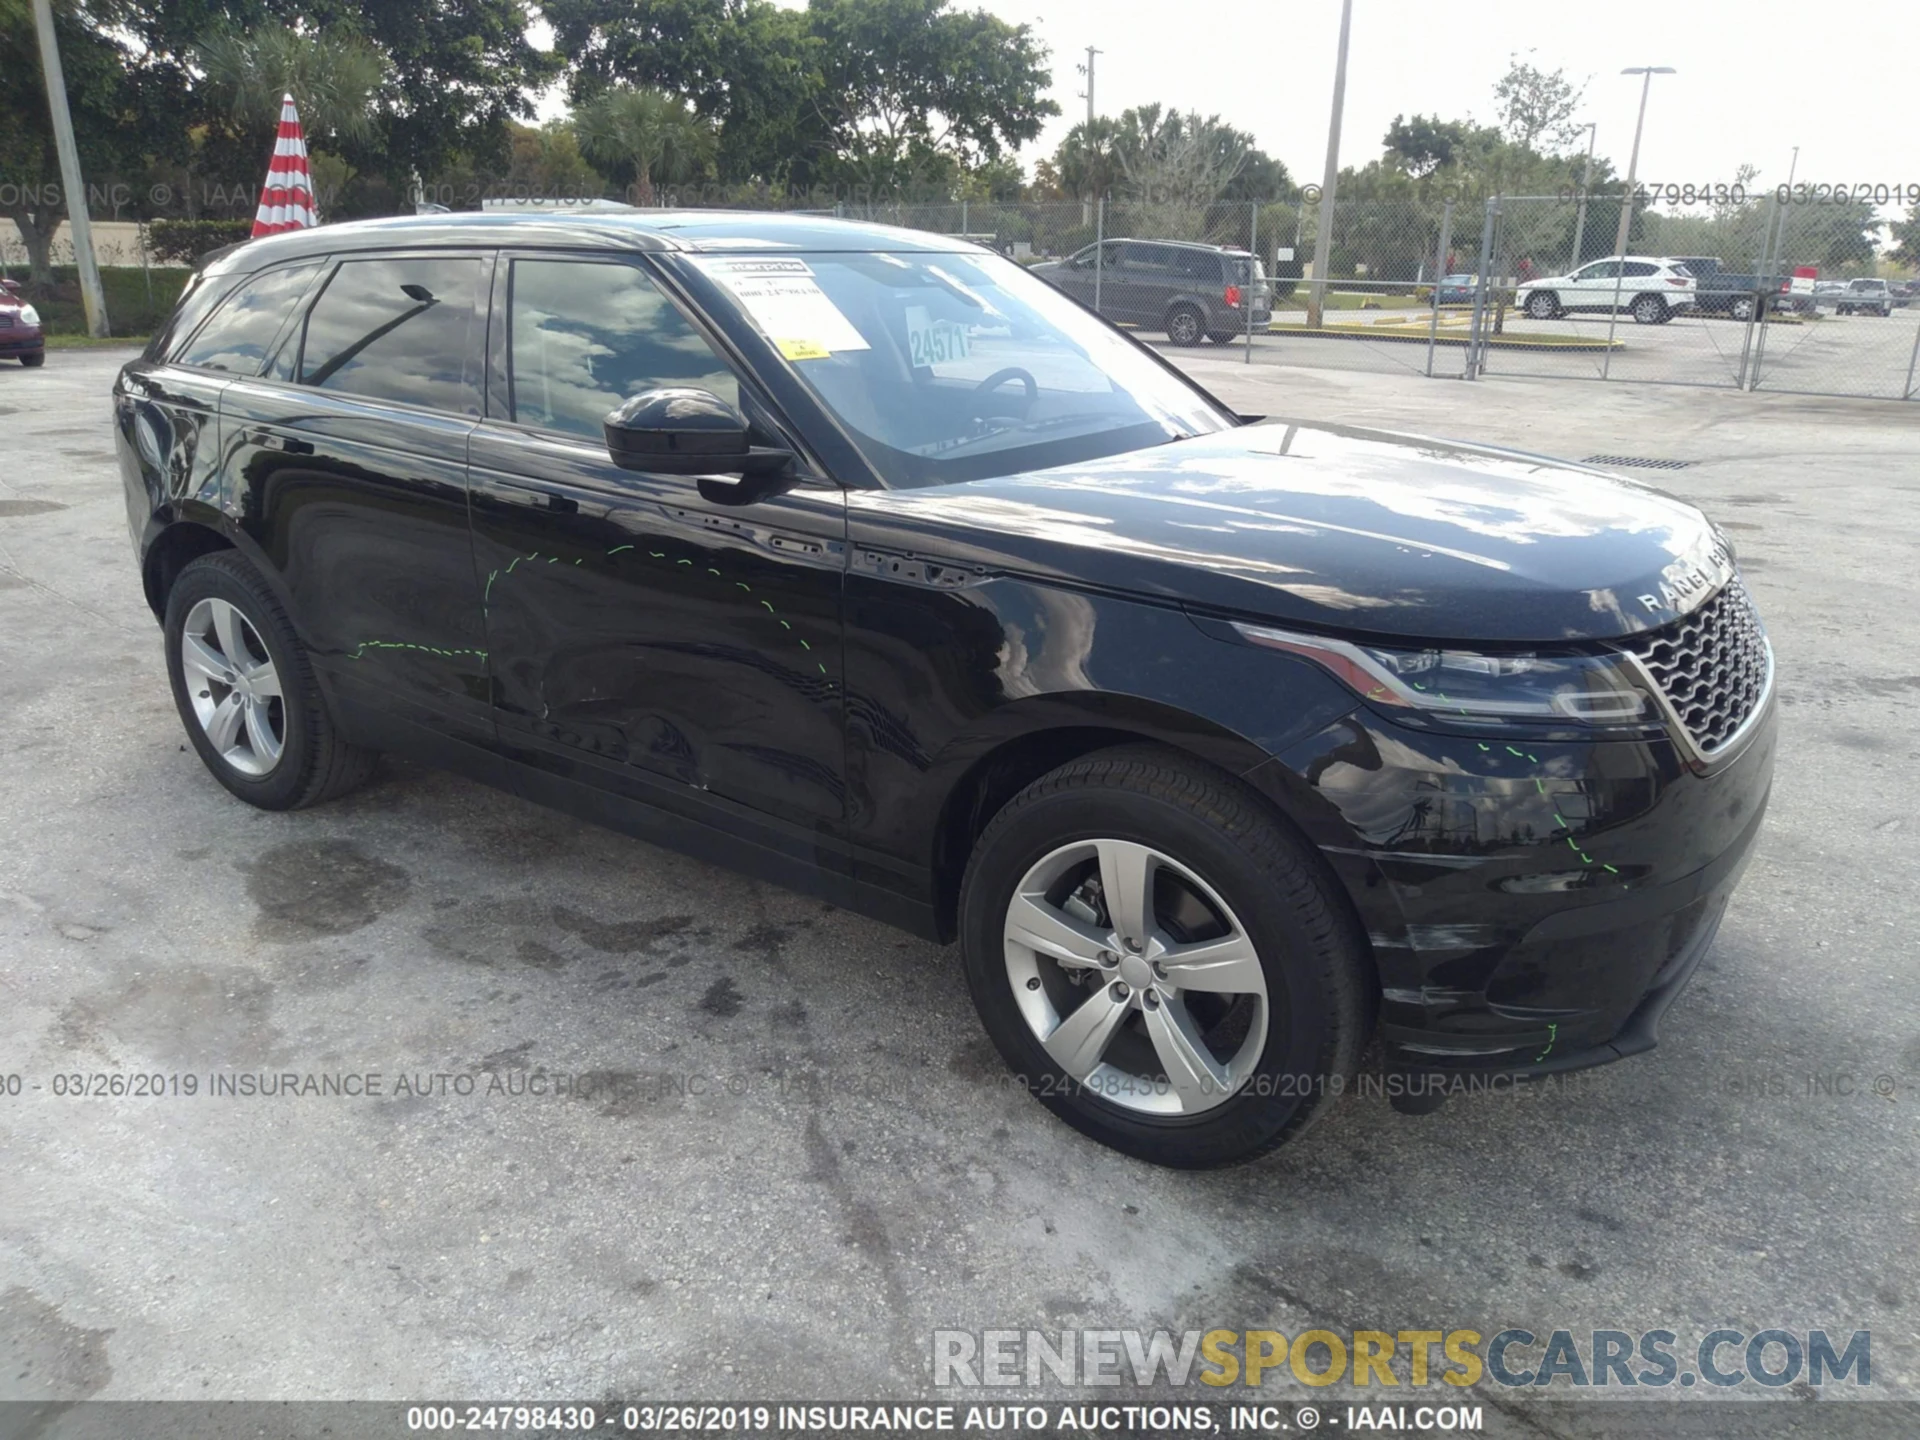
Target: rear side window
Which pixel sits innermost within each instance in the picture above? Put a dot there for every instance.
(584, 336)
(399, 329)
(1638, 269)
(241, 330)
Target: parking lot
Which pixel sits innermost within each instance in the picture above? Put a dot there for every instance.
(770, 1152)
(1854, 355)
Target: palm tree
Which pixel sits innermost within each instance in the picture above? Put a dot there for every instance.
(651, 131)
(335, 79)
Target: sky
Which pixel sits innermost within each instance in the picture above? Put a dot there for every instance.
(1747, 89)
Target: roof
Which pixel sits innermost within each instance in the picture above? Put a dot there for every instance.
(727, 231)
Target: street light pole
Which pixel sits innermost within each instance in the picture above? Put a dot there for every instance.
(1323, 240)
(1580, 215)
(91, 296)
(1633, 162)
(1087, 70)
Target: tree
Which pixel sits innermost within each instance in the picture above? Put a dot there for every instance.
(1425, 144)
(1086, 164)
(882, 94)
(647, 133)
(103, 104)
(1536, 107)
(908, 84)
(335, 78)
(1906, 239)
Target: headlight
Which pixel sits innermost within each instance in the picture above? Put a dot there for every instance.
(29, 315)
(1471, 689)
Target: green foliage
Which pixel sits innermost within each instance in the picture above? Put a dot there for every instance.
(646, 134)
(335, 78)
(1166, 158)
(185, 241)
(137, 300)
(1906, 239)
(1536, 107)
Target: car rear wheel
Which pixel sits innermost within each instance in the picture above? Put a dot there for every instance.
(1161, 962)
(1185, 325)
(246, 691)
(1649, 310)
(1742, 308)
(1543, 305)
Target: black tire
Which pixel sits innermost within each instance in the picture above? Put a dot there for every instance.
(1186, 325)
(1649, 310)
(31, 361)
(1224, 337)
(315, 764)
(1320, 991)
(1543, 305)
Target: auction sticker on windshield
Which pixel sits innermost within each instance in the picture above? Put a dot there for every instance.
(782, 297)
(933, 342)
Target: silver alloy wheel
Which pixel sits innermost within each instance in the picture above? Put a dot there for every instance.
(234, 687)
(1108, 997)
(1542, 306)
(1184, 327)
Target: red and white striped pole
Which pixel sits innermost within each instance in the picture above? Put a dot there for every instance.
(286, 201)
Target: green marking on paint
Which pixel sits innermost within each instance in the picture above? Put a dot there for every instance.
(658, 554)
(785, 626)
(1609, 869)
(769, 607)
(404, 645)
(492, 575)
(618, 548)
(712, 571)
(1553, 1036)
(742, 585)
(1561, 819)
(823, 669)
(1538, 786)
(1514, 752)
(1487, 748)
(683, 562)
(805, 646)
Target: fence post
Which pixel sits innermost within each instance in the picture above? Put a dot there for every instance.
(1907, 394)
(1477, 335)
(1099, 250)
(963, 217)
(1439, 276)
(1253, 268)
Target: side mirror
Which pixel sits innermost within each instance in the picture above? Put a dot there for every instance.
(682, 430)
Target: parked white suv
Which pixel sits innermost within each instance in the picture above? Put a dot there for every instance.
(1649, 289)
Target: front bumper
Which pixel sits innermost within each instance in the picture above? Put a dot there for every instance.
(18, 341)
(1532, 908)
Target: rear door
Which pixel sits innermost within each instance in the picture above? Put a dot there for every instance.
(348, 460)
(644, 630)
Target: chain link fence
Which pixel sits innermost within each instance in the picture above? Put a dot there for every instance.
(1455, 288)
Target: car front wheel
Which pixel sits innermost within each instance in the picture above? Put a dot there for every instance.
(30, 361)
(1543, 305)
(246, 692)
(1161, 962)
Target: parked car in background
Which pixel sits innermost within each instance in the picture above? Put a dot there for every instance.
(1457, 289)
(1731, 293)
(1871, 296)
(1651, 290)
(21, 337)
(1191, 291)
(859, 559)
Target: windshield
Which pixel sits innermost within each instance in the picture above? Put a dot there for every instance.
(951, 367)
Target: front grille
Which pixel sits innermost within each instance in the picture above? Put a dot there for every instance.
(1713, 666)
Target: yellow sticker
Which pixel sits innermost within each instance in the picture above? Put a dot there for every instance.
(804, 350)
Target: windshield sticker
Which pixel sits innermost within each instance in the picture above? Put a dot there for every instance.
(933, 342)
(782, 297)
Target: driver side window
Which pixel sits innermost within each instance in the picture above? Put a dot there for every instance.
(1600, 270)
(585, 335)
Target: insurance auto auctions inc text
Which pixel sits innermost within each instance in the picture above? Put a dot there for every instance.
(1513, 1357)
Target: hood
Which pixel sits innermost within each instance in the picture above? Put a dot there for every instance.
(1334, 529)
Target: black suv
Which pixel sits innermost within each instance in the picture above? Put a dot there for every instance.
(863, 560)
(1192, 292)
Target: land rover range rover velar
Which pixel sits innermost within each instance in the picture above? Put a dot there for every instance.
(862, 560)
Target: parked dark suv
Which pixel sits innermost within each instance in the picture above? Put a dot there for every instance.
(1192, 292)
(862, 560)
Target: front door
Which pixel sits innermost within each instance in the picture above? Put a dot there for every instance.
(640, 631)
